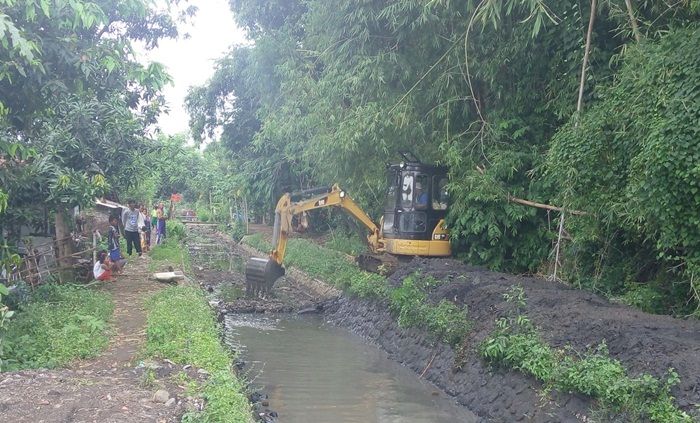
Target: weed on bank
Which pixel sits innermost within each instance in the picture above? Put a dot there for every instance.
(181, 327)
(59, 323)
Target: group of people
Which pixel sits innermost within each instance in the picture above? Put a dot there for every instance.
(138, 224)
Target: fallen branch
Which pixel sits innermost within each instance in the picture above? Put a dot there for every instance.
(428, 366)
(544, 206)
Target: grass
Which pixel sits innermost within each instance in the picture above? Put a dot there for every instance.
(258, 242)
(517, 344)
(170, 253)
(409, 302)
(59, 324)
(349, 244)
(182, 328)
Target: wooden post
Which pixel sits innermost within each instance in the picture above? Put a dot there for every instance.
(64, 245)
(94, 246)
(558, 246)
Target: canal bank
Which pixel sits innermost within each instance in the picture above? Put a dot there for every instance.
(573, 322)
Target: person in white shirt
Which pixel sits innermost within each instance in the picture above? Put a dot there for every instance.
(102, 270)
(132, 219)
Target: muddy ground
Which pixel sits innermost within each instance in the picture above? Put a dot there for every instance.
(565, 316)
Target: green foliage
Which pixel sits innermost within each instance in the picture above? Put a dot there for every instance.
(410, 302)
(599, 376)
(229, 292)
(349, 244)
(181, 327)
(176, 230)
(632, 160)
(237, 230)
(203, 215)
(258, 242)
(647, 298)
(61, 323)
(516, 344)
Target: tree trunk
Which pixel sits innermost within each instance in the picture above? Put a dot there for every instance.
(64, 245)
(586, 52)
(633, 21)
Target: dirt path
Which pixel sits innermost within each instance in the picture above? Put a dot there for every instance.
(109, 388)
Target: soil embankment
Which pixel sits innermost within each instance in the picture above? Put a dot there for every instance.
(566, 317)
(109, 388)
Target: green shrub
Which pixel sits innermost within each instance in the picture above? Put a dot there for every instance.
(237, 230)
(203, 215)
(445, 320)
(59, 324)
(182, 328)
(176, 230)
(646, 298)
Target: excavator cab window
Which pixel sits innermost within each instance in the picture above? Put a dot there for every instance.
(440, 196)
(412, 222)
(407, 190)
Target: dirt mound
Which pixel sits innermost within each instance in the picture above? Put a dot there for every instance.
(566, 316)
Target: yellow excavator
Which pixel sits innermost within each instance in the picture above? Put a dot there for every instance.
(413, 223)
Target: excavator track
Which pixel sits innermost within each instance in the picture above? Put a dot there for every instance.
(383, 264)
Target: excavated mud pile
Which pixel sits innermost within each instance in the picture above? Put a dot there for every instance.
(565, 316)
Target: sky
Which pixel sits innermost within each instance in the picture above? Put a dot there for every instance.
(190, 62)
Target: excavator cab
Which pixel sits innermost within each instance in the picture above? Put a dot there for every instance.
(414, 212)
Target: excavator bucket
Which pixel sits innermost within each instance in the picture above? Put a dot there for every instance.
(260, 276)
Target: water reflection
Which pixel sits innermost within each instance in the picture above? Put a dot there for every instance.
(313, 373)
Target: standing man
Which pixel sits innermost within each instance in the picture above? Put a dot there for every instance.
(131, 218)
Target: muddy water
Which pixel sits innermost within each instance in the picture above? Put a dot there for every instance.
(318, 374)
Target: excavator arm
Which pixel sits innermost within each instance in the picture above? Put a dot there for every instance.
(286, 209)
(261, 273)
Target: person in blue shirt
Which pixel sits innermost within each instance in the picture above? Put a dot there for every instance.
(421, 197)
